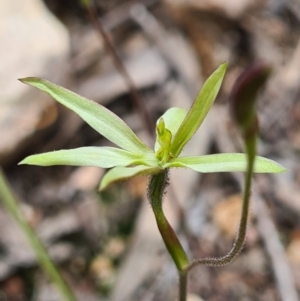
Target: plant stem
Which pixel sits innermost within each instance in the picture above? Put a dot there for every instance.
(241, 235)
(156, 190)
(49, 267)
(183, 277)
(157, 185)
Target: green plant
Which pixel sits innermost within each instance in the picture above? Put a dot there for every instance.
(173, 131)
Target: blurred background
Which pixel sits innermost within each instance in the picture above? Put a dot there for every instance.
(107, 245)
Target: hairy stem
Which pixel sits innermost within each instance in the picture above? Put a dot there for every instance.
(49, 267)
(157, 185)
(156, 190)
(241, 234)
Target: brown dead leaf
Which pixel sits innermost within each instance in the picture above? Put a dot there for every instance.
(138, 186)
(226, 215)
(85, 178)
(233, 9)
(102, 269)
(293, 251)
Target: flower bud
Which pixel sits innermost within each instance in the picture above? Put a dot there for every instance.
(244, 94)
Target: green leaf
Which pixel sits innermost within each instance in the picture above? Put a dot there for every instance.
(125, 173)
(98, 117)
(173, 118)
(229, 162)
(105, 157)
(198, 111)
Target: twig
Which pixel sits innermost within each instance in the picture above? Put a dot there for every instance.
(121, 68)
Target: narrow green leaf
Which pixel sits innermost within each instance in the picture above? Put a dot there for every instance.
(173, 118)
(198, 111)
(230, 162)
(98, 117)
(105, 157)
(124, 173)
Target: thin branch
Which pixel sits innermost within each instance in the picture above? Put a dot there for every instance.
(120, 67)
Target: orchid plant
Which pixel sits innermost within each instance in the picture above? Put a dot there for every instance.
(173, 131)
